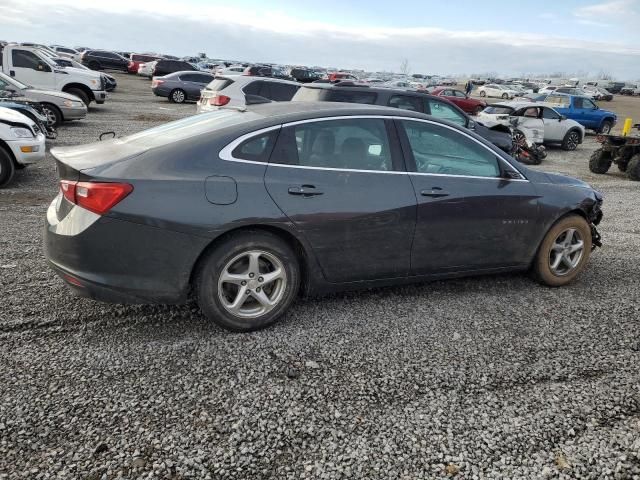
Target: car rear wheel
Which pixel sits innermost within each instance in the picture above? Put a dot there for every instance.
(248, 282)
(564, 252)
(53, 114)
(505, 96)
(571, 140)
(633, 168)
(7, 168)
(178, 96)
(600, 161)
(483, 93)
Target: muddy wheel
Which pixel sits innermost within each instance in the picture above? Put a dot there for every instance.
(633, 168)
(564, 252)
(600, 161)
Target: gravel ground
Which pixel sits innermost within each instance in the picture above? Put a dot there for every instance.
(493, 377)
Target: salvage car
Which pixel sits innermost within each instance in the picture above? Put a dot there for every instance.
(555, 128)
(465, 102)
(57, 106)
(180, 87)
(240, 91)
(497, 91)
(21, 143)
(304, 197)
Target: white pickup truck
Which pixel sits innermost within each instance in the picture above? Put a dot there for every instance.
(31, 66)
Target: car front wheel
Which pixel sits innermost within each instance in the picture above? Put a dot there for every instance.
(248, 282)
(564, 252)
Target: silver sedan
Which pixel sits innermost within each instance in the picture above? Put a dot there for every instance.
(58, 106)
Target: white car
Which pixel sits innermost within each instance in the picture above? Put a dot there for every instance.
(21, 143)
(65, 52)
(238, 91)
(232, 70)
(554, 127)
(497, 91)
(548, 89)
(146, 69)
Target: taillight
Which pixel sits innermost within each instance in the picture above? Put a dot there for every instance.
(155, 83)
(219, 100)
(93, 196)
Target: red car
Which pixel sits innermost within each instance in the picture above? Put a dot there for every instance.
(135, 60)
(468, 104)
(339, 76)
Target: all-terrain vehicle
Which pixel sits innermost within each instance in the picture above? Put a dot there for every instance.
(624, 151)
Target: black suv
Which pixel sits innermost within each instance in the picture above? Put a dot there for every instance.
(304, 75)
(165, 67)
(103, 60)
(413, 100)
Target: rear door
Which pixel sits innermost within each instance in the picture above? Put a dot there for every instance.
(194, 83)
(469, 216)
(341, 182)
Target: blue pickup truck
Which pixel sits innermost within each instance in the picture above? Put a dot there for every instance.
(584, 111)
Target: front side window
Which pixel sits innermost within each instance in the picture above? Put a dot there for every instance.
(588, 104)
(358, 144)
(440, 150)
(446, 112)
(405, 102)
(25, 59)
(579, 102)
(459, 94)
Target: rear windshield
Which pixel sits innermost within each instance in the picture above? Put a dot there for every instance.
(188, 127)
(498, 110)
(142, 58)
(219, 84)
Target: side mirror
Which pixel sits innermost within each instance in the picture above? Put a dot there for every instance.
(43, 67)
(471, 125)
(562, 117)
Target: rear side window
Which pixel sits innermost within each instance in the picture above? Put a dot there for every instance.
(405, 102)
(219, 84)
(256, 149)
(352, 97)
(550, 114)
(358, 144)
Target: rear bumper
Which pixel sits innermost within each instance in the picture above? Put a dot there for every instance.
(119, 261)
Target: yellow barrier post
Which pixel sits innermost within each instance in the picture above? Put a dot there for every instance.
(627, 127)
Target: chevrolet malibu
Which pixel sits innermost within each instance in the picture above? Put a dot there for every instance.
(244, 210)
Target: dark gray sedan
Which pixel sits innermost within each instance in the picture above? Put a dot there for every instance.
(180, 87)
(245, 209)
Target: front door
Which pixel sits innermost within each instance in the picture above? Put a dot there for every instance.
(469, 216)
(342, 183)
(554, 128)
(29, 68)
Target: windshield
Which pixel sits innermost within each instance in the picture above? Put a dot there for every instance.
(13, 81)
(498, 110)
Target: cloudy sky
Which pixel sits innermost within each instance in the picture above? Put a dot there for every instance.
(508, 37)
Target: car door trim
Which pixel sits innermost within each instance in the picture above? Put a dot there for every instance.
(227, 152)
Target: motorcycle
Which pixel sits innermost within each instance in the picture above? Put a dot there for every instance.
(527, 145)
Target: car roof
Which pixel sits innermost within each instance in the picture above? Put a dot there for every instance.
(244, 79)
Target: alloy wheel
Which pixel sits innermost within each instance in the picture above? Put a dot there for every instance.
(51, 116)
(178, 96)
(252, 284)
(566, 252)
(572, 141)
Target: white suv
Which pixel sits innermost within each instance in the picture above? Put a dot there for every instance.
(21, 143)
(242, 90)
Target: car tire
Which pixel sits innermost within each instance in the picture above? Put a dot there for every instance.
(600, 161)
(633, 168)
(7, 168)
(216, 297)
(505, 96)
(564, 252)
(483, 93)
(177, 96)
(53, 114)
(605, 128)
(80, 94)
(571, 140)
